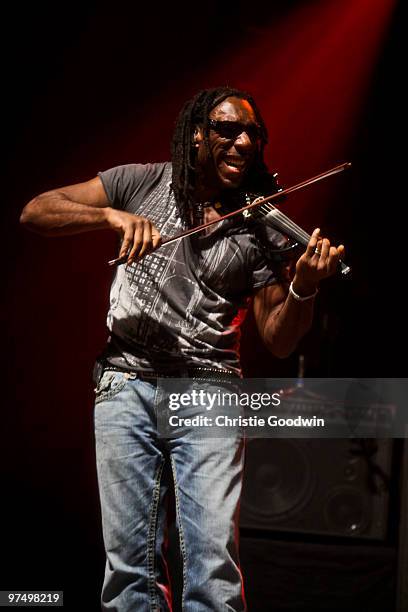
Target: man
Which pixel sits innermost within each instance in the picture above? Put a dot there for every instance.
(176, 311)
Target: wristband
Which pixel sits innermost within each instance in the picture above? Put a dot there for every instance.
(299, 298)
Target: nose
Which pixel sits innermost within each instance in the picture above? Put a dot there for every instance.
(243, 142)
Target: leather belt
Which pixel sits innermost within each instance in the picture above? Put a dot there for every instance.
(196, 373)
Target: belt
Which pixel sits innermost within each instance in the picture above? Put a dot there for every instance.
(196, 373)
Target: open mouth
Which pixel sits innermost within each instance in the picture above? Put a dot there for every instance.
(234, 166)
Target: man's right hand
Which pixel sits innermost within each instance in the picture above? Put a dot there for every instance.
(139, 235)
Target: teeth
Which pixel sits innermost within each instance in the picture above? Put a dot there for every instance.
(233, 164)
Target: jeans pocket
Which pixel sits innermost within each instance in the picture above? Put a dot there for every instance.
(110, 384)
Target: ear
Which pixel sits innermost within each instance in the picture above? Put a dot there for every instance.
(197, 136)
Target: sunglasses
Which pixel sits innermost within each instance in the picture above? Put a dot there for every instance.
(232, 129)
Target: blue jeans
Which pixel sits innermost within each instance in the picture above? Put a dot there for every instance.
(207, 474)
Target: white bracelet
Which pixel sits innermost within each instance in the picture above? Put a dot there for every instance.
(299, 298)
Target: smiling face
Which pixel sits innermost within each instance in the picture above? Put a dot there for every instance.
(233, 142)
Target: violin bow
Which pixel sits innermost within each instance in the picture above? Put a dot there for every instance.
(296, 231)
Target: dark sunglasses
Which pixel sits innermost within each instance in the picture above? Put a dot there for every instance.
(232, 129)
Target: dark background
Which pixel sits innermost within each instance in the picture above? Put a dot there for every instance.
(89, 87)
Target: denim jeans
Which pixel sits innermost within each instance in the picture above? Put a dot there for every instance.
(207, 475)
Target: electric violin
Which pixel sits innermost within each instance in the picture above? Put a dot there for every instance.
(270, 214)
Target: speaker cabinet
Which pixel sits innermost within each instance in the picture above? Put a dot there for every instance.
(317, 486)
(402, 590)
(290, 576)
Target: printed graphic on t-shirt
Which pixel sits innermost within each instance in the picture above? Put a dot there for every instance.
(182, 304)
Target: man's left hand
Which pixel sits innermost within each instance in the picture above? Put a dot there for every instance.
(319, 261)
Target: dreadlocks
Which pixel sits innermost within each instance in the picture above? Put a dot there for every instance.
(195, 112)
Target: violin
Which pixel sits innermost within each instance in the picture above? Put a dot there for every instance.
(270, 215)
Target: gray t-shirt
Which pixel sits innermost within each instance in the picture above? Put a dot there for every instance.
(182, 305)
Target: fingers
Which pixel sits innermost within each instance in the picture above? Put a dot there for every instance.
(147, 243)
(333, 260)
(146, 238)
(321, 258)
(312, 245)
(127, 241)
(138, 241)
(330, 256)
(156, 238)
(151, 239)
(140, 237)
(324, 249)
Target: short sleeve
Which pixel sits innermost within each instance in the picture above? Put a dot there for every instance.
(126, 185)
(263, 273)
(264, 265)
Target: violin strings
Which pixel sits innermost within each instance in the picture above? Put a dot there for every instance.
(280, 220)
(287, 222)
(267, 208)
(284, 222)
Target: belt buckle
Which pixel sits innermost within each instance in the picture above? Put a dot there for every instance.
(143, 374)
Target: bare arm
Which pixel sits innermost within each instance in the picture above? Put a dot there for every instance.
(281, 319)
(69, 210)
(85, 207)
